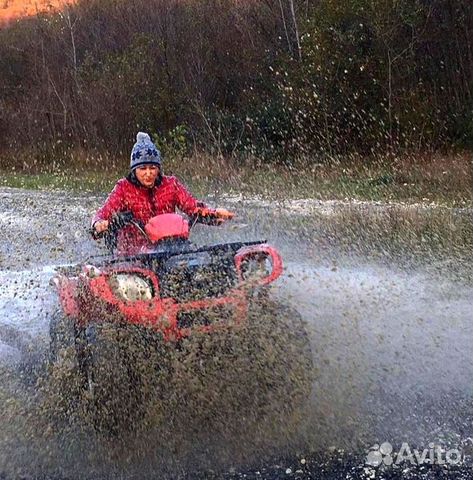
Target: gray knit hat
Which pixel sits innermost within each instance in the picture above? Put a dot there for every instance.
(144, 152)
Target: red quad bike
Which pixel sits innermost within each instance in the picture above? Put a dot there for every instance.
(130, 328)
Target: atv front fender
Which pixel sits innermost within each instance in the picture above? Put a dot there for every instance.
(66, 288)
(264, 250)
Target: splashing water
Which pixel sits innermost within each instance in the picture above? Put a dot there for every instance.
(392, 348)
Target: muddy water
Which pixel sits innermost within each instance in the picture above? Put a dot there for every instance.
(393, 346)
(395, 352)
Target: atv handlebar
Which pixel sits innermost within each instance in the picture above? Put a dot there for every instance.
(118, 221)
(201, 214)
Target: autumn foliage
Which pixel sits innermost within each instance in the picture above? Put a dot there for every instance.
(274, 79)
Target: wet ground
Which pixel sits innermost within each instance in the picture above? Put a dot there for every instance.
(392, 341)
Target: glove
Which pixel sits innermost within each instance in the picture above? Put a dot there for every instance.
(203, 212)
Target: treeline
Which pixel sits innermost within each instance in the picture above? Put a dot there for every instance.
(272, 78)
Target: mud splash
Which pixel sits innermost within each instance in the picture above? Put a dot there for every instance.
(394, 351)
(216, 401)
(392, 344)
(393, 356)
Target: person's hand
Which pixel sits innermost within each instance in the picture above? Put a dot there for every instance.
(224, 214)
(100, 226)
(212, 216)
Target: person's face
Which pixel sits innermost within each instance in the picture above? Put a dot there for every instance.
(147, 175)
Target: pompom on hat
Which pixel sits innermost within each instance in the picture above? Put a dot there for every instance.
(144, 152)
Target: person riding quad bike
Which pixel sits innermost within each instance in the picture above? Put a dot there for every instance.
(146, 192)
(164, 325)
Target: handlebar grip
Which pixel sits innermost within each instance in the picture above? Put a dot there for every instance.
(96, 235)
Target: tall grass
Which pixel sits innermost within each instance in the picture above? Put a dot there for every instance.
(431, 178)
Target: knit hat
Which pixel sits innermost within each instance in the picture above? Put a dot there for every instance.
(144, 152)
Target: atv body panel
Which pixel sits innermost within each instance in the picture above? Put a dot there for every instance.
(173, 290)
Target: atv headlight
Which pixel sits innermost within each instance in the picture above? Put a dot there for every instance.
(256, 266)
(131, 287)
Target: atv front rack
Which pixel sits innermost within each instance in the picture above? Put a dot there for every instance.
(180, 249)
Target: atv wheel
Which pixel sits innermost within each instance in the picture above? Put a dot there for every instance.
(62, 333)
(120, 369)
(111, 393)
(247, 385)
(63, 385)
(282, 372)
(279, 334)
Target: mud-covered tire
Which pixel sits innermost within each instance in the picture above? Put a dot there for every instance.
(62, 386)
(120, 368)
(247, 384)
(103, 378)
(62, 334)
(280, 340)
(112, 394)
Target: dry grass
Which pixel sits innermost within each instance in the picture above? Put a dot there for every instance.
(437, 178)
(441, 178)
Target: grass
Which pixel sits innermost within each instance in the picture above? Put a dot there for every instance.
(63, 180)
(436, 179)
(444, 179)
(407, 235)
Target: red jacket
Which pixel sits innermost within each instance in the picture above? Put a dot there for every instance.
(128, 196)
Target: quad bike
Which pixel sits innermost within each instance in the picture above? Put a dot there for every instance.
(133, 331)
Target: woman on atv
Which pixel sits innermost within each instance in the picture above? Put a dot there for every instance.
(146, 192)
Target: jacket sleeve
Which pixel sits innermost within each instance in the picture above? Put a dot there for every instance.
(185, 201)
(114, 203)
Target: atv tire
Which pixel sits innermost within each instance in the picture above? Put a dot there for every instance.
(62, 334)
(111, 390)
(122, 367)
(278, 339)
(248, 385)
(63, 385)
